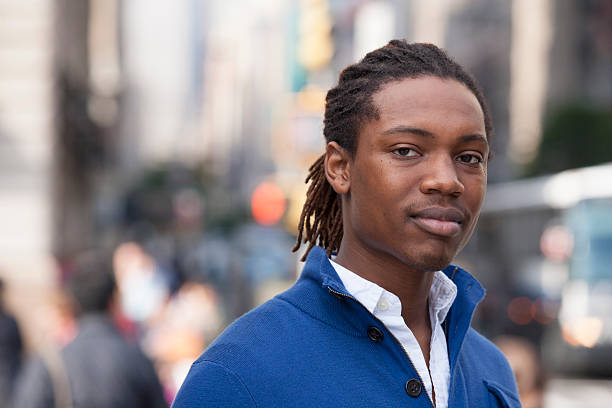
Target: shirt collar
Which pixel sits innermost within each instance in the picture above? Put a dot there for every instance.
(366, 292)
(441, 295)
(320, 271)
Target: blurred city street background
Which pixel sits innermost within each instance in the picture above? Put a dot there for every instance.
(179, 134)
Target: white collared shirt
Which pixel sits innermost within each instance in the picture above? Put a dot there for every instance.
(387, 307)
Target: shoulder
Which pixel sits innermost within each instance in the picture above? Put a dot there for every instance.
(106, 352)
(485, 360)
(34, 372)
(9, 330)
(291, 318)
(489, 355)
(33, 387)
(220, 374)
(254, 335)
(216, 385)
(253, 354)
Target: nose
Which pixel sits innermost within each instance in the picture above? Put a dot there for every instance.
(441, 177)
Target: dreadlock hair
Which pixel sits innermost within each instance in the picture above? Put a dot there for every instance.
(348, 105)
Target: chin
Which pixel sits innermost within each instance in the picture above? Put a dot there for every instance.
(429, 262)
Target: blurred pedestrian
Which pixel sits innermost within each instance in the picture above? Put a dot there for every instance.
(527, 367)
(11, 347)
(98, 369)
(190, 320)
(378, 316)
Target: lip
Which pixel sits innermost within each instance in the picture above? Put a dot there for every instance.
(444, 222)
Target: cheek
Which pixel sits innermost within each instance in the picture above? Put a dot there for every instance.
(475, 189)
(474, 201)
(375, 200)
(371, 182)
(483, 191)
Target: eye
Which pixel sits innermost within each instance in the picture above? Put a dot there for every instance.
(470, 159)
(406, 152)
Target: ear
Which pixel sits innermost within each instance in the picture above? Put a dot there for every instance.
(337, 168)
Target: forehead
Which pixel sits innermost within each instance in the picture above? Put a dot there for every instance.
(430, 101)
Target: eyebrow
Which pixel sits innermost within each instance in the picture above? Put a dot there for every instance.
(408, 129)
(474, 138)
(421, 132)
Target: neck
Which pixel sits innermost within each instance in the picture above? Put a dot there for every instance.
(411, 286)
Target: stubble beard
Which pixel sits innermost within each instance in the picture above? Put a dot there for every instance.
(428, 262)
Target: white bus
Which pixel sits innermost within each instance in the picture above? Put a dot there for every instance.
(543, 248)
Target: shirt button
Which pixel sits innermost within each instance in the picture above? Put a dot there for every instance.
(375, 334)
(413, 387)
(383, 305)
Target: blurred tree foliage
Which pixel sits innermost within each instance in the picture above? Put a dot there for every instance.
(151, 200)
(575, 135)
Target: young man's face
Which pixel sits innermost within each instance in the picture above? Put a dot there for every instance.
(418, 178)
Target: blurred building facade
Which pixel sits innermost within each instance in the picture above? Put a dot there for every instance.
(96, 92)
(26, 148)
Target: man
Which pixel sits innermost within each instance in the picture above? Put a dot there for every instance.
(386, 321)
(98, 369)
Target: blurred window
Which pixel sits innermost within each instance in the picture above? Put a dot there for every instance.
(591, 221)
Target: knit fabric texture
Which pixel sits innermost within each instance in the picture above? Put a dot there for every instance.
(316, 346)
